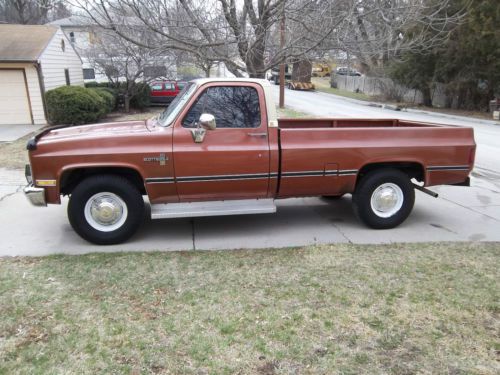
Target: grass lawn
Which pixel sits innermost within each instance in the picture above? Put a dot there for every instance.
(13, 155)
(343, 309)
(323, 85)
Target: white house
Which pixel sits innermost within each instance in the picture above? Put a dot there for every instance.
(82, 35)
(33, 59)
(85, 36)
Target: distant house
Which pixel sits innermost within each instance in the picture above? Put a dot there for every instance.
(33, 59)
(85, 35)
(82, 36)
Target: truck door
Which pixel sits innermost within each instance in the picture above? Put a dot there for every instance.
(232, 161)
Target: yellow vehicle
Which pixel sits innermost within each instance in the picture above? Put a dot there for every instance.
(321, 70)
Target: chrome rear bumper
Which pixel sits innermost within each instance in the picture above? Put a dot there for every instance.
(35, 195)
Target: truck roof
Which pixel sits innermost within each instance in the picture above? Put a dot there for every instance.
(262, 82)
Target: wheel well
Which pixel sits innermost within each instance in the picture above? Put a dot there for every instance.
(73, 177)
(412, 169)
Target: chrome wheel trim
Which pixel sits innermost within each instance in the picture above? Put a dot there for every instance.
(387, 200)
(105, 211)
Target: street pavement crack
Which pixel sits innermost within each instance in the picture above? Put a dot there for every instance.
(10, 194)
(193, 234)
(470, 209)
(342, 233)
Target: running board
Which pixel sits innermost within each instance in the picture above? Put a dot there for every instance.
(213, 208)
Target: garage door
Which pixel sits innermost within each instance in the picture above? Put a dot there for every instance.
(14, 104)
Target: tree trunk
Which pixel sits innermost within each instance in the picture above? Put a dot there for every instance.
(127, 103)
(255, 58)
(302, 71)
(207, 72)
(427, 97)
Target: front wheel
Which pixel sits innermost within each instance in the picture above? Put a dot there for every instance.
(105, 209)
(384, 198)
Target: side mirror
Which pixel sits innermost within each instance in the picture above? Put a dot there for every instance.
(207, 121)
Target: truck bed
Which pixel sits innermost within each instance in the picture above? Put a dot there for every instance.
(349, 123)
(330, 154)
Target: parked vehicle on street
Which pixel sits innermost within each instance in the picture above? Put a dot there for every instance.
(219, 149)
(275, 74)
(164, 92)
(345, 71)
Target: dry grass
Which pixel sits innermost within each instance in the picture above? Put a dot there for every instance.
(291, 113)
(13, 155)
(343, 309)
(323, 85)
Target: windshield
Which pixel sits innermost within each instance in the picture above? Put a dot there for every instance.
(171, 112)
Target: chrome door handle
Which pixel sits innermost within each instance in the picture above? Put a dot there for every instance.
(258, 134)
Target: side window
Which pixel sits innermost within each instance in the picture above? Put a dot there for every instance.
(169, 86)
(156, 87)
(232, 106)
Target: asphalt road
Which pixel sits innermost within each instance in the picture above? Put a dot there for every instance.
(459, 214)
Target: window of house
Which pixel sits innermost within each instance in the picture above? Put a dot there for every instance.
(232, 106)
(72, 37)
(88, 73)
(66, 75)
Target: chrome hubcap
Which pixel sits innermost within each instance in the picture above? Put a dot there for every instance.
(106, 211)
(387, 200)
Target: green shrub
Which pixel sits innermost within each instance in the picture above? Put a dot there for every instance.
(107, 95)
(74, 105)
(92, 84)
(141, 99)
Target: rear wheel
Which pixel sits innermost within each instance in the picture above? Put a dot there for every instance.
(384, 198)
(105, 209)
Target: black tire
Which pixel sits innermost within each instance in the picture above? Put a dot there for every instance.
(118, 187)
(362, 198)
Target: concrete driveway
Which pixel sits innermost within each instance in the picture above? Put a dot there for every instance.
(459, 214)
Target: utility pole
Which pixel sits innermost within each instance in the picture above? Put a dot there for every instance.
(282, 65)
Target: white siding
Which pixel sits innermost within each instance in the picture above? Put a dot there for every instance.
(54, 61)
(34, 92)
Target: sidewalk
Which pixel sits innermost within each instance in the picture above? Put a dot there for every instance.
(10, 133)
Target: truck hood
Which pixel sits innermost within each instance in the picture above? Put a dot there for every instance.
(105, 130)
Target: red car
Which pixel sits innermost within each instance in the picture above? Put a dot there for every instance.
(163, 92)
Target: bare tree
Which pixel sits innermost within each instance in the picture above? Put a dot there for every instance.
(244, 34)
(32, 11)
(379, 31)
(125, 64)
(237, 33)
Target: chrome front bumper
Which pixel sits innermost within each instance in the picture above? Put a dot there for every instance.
(35, 195)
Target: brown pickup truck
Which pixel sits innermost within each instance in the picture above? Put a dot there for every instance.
(219, 149)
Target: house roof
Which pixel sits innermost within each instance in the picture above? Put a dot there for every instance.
(73, 21)
(24, 42)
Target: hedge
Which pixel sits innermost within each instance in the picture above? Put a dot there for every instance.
(141, 99)
(108, 95)
(74, 105)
